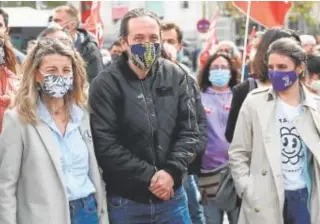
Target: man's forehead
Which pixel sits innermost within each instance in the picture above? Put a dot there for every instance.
(169, 34)
(143, 24)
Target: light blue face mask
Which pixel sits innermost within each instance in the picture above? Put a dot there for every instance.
(180, 56)
(219, 77)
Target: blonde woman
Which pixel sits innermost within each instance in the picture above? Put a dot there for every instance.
(48, 170)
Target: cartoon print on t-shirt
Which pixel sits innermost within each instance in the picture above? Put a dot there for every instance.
(292, 146)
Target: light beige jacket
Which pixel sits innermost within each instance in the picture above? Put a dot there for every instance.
(31, 182)
(255, 157)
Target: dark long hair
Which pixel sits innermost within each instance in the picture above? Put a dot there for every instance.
(259, 64)
(203, 76)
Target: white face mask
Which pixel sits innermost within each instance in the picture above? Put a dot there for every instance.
(315, 85)
(171, 51)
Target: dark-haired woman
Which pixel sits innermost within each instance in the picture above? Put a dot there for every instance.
(216, 80)
(260, 73)
(274, 155)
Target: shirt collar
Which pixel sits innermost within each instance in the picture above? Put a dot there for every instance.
(77, 113)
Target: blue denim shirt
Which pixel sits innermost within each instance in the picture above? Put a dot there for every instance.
(74, 154)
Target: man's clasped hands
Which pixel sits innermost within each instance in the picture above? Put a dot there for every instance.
(162, 185)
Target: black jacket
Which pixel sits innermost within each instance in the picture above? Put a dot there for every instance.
(90, 52)
(141, 126)
(195, 166)
(240, 93)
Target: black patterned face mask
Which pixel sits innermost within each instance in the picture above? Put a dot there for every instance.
(144, 55)
(2, 54)
(56, 85)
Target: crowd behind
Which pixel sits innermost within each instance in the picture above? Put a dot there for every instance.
(128, 135)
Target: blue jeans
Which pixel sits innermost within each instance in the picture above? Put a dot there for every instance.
(296, 207)
(215, 215)
(173, 211)
(193, 195)
(84, 211)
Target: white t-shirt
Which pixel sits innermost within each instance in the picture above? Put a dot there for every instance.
(293, 149)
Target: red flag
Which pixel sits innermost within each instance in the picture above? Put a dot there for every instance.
(94, 22)
(211, 41)
(267, 13)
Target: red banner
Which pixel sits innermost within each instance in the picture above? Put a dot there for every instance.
(267, 13)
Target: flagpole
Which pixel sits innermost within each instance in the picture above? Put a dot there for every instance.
(245, 41)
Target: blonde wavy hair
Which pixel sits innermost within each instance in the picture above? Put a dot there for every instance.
(28, 94)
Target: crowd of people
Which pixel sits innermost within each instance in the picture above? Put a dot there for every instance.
(129, 135)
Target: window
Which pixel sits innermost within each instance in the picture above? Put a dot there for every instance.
(185, 4)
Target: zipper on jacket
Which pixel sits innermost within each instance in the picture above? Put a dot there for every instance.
(152, 148)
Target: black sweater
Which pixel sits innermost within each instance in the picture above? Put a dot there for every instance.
(240, 92)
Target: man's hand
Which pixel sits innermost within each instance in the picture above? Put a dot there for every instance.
(162, 185)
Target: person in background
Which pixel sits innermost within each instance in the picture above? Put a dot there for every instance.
(9, 81)
(112, 54)
(229, 48)
(172, 34)
(115, 50)
(260, 75)
(274, 154)
(106, 57)
(67, 17)
(48, 169)
(312, 77)
(4, 23)
(172, 40)
(144, 127)
(308, 42)
(254, 43)
(216, 81)
(170, 31)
